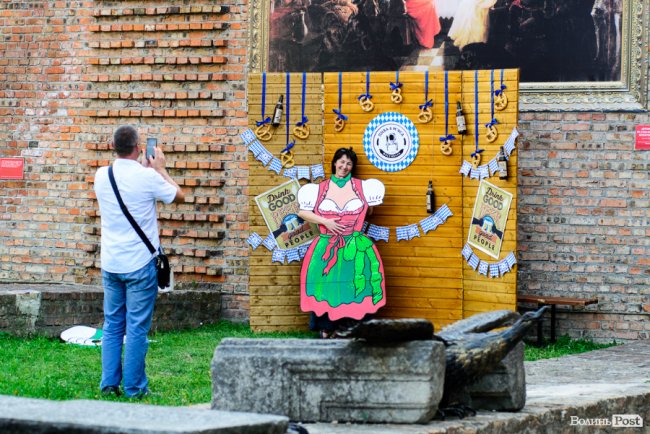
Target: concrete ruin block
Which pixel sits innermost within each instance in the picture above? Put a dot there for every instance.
(505, 388)
(329, 380)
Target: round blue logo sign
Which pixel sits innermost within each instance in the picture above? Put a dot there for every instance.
(391, 142)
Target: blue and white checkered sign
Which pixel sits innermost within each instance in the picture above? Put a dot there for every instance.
(364, 227)
(503, 267)
(303, 172)
(443, 213)
(494, 166)
(474, 174)
(483, 268)
(293, 255)
(256, 148)
(430, 223)
(278, 256)
(265, 157)
(276, 165)
(302, 250)
(509, 145)
(473, 261)
(254, 240)
(407, 232)
(391, 142)
(511, 260)
(494, 270)
(291, 172)
(317, 171)
(465, 168)
(247, 136)
(467, 252)
(378, 232)
(483, 172)
(269, 242)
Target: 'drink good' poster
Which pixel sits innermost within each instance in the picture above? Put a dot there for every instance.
(489, 219)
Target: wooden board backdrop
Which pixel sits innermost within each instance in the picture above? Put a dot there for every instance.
(427, 276)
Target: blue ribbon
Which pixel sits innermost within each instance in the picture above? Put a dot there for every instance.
(288, 100)
(304, 84)
(367, 94)
(429, 103)
(449, 137)
(268, 118)
(339, 113)
(263, 121)
(492, 123)
(289, 146)
(397, 84)
(477, 151)
(503, 86)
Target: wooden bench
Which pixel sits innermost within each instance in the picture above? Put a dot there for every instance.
(541, 300)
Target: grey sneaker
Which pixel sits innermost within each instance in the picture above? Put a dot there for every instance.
(111, 391)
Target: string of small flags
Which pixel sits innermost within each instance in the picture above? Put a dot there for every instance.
(487, 170)
(491, 269)
(274, 164)
(377, 233)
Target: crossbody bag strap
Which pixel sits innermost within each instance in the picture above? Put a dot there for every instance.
(126, 212)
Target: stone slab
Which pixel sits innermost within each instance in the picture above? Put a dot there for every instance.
(36, 416)
(329, 380)
(504, 389)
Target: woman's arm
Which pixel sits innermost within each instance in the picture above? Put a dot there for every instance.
(330, 224)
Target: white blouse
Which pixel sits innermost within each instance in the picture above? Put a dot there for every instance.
(373, 191)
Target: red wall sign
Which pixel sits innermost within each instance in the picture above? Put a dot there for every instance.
(11, 168)
(642, 137)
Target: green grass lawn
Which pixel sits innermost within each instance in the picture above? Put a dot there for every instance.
(178, 364)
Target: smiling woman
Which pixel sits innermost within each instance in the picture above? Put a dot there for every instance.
(342, 275)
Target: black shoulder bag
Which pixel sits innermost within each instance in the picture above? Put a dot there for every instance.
(162, 263)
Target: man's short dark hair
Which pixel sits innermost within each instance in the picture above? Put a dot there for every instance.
(125, 139)
(347, 152)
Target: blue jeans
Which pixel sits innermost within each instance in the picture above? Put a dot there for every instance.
(128, 308)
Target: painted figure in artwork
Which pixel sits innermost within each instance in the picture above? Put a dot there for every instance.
(470, 23)
(427, 24)
(342, 275)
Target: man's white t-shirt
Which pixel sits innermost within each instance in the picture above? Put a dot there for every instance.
(123, 251)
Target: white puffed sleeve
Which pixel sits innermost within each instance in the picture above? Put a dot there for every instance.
(307, 196)
(373, 190)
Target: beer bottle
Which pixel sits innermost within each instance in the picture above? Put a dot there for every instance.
(503, 164)
(430, 198)
(277, 112)
(460, 119)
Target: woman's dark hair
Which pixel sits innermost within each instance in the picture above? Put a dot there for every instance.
(125, 139)
(348, 152)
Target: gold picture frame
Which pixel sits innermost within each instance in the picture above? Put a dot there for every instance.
(630, 93)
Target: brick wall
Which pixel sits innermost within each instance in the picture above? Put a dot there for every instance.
(70, 72)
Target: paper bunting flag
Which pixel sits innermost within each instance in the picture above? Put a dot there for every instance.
(278, 256)
(474, 174)
(364, 227)
(407, 232)
(247, 136)
(291, 172)
(509, 145)
(254, 240)
(465, 168)
(378, 233)
(303, 172)
(483, 172)
(494, 270)
(430, 223)
(483, 268)
(265, 157)
(511, 260)
(302, 250)
(256, 148)
(467, 252)
(503, 267)
(317, 171)
(276, 165)
(493, 166)
(473, 261)
(293, 255)
(443, 213)
(269, 242)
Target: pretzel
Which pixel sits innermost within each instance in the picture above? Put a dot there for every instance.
(366, 104)
(339, 124)
(476, 160)
(492, 133)
(302, 131)
(286, 158)
(396, 96)
(500, 101)
(445, 148)
(264, 132)
(425, 115)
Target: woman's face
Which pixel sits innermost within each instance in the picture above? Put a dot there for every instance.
(343, 166)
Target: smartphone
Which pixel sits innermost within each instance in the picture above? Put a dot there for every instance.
(151, 147)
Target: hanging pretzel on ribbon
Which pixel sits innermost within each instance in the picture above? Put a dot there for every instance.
(263, 130)
(339, 122)
(445, 141)
(425, 109)
(286, 155)
(492, 132)
(396, 90)
(476, 155)
(500, 100)
(301, 130)
(365, 98)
